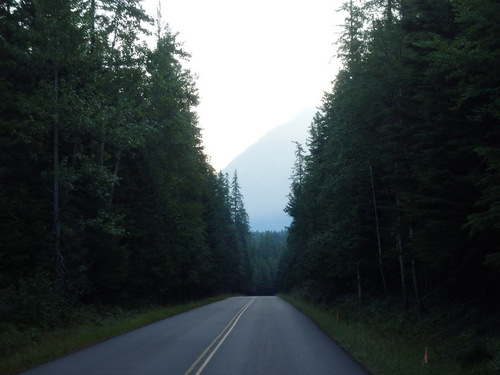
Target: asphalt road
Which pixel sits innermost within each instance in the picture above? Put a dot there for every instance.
(241, 335)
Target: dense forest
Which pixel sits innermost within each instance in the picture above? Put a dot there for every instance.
(106, 194)
(398, 190)
(265, 249)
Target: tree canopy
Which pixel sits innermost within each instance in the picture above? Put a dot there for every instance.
(398, 193)
(106, 193)
(107, 196)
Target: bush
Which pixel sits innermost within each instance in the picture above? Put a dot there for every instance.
(13, 338)
(41, 300)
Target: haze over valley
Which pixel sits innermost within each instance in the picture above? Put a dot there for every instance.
(264, 171)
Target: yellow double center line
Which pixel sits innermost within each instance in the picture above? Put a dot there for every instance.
(208, 353)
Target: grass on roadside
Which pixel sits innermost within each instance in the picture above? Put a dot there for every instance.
(31, 346)
(379, 348)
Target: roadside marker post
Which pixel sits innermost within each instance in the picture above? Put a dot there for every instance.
(426, 358)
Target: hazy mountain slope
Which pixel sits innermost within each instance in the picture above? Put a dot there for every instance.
(264, 171)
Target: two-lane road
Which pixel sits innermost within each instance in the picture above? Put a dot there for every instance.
(241, 335)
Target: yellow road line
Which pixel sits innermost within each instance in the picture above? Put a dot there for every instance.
(227, 330)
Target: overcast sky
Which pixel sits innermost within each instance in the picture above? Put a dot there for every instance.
(259, 63)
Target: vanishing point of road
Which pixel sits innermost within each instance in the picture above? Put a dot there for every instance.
(239, 335)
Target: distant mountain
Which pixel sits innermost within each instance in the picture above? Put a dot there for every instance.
(264, 171)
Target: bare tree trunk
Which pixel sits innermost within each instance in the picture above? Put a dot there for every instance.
(378, 234)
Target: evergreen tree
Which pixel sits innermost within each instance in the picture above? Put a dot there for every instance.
(265, 249)
(106, 193)
(242, 229)
(401, 153)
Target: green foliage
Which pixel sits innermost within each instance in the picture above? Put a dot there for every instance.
(265, 249)
(41, 300)
(399, 191)
(387, 340)
(106, 193)
(24, 347)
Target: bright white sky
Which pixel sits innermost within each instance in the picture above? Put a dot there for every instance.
(259, 63)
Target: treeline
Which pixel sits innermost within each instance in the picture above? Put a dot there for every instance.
(106, 194)
(399, 192)
(265, 249)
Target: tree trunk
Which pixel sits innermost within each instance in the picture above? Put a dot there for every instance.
(358, 277)
(402, 271)
(115, 176)
(92, 26)
(59, 260)
(420, 303)
(378, 234)
(389, 8)
(399, 247)
(73, 163)
(101, 150)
